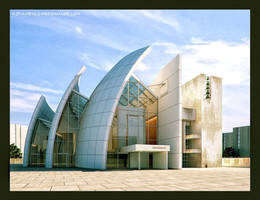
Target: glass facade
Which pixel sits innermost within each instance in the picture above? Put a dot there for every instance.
(39, 143)
(134, 122)
(65, 139)
(188, 128)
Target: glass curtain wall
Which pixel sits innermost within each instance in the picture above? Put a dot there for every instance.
(134, 122)
(65, 139)
(39, 143)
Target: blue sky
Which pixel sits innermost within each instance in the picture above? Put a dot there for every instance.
(48, 47)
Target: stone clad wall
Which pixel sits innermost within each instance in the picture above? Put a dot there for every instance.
(212, 125)
(235, 162)
(208, 118)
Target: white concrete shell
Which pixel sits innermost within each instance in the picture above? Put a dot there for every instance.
(97, 117)
(167, 86)
(43, 111)
(54, 126)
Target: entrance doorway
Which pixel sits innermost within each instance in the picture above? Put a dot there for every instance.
(150, 160)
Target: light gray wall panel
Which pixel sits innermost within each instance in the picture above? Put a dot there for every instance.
(106, 95)
(170, 109)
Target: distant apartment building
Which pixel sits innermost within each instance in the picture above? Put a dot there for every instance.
(239, 140)
(17, 135)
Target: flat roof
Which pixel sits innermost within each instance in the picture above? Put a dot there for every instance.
(145, 148)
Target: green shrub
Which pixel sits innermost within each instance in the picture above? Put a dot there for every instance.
(15, 152)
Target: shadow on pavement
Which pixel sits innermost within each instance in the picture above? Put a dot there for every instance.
(19, 167)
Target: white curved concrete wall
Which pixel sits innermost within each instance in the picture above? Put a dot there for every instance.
(56, 119)
(170, 110)
(97, 118)
(42, 110)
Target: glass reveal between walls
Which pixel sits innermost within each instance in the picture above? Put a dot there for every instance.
(134, 122)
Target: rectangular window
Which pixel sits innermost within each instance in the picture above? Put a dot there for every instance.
(188, 128)
(164, 88)
(238, 139)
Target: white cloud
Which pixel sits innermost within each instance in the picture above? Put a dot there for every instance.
(78, 30)
(227, 60)
(128, 16)
(142, 67)
(236, 107)
(170, 48)
(151, 17)
(48, 83)
(230, 61)
(88, 61)
(24, 97)
(105, 41)
(31, 87)
(21, 105)
(21, 101)
(25, 101)
(195, 40)
(158, 16)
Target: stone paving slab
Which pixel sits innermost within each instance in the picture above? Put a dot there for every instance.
(188, 179)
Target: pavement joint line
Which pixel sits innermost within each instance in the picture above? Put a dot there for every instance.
(194, 179)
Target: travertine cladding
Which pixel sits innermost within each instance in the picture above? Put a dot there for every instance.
(42, 110)
(17, 135)
(188, 114)
(97, 117)
(170, 110)
(208, 123)
(212, 126)
(235, 162)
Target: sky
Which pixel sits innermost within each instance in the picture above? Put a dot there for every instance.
(48, 47)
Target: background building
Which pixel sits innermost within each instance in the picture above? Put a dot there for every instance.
(239, 140)
(17, 135)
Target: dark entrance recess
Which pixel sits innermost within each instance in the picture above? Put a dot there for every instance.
(150, 160)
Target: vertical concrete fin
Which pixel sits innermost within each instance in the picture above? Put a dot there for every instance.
(55, 122)
(167, 86)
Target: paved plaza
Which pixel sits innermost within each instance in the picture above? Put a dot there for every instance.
(73, 179)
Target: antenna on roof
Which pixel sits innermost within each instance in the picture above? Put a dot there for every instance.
(81, 70)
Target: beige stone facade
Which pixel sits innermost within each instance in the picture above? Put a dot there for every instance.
(202, 134)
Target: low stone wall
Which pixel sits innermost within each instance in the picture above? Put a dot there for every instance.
(16, 161)
(235, 162)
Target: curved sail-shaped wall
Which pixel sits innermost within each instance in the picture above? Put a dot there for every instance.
(73, 87)
(97, 118)
(42, 113)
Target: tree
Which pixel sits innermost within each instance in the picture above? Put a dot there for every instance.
(230, 152)
(15, 152)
